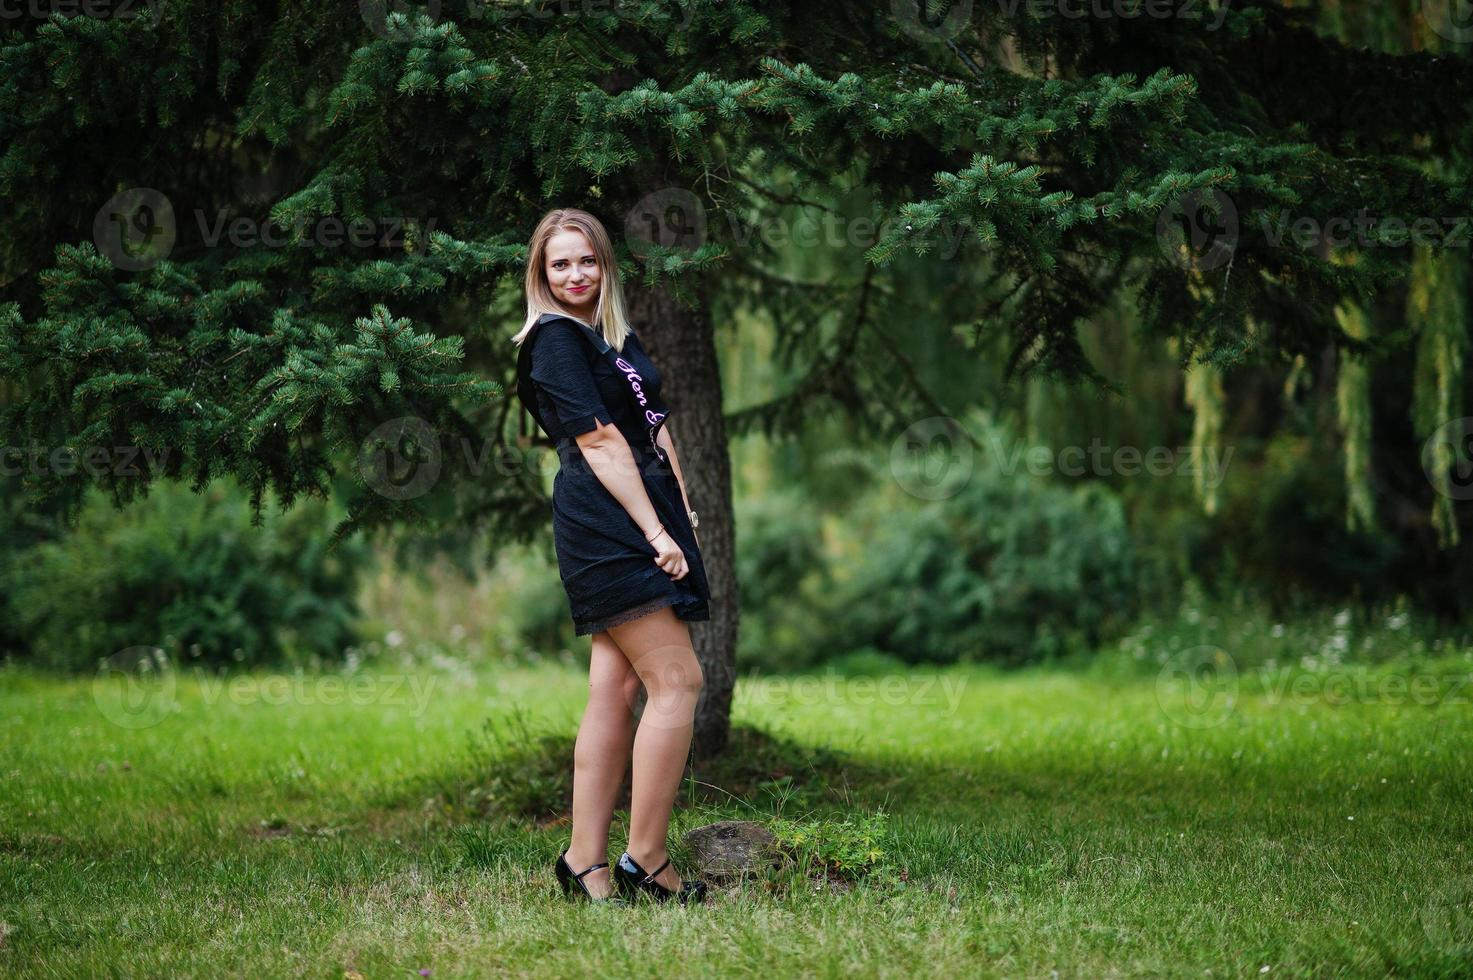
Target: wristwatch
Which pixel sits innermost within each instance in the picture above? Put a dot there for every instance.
(694, 520)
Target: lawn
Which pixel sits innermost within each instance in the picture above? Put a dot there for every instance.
(1110, 820)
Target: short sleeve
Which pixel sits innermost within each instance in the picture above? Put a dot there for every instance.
(560, 368)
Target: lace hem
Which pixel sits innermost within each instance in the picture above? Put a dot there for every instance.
(628, 615)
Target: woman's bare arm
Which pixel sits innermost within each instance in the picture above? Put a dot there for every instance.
(612, 461)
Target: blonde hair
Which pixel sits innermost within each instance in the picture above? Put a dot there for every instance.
(609, 315)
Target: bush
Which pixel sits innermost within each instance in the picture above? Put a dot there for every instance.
(186, 572)
(783, 581)
(1285, 531)
(1011, 567)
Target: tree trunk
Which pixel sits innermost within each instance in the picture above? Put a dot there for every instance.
(682, 344)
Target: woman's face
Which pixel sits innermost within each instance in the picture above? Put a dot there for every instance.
(572, 271)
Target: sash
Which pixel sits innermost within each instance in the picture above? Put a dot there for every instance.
(652, 410)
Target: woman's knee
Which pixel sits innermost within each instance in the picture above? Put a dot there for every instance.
(629, 690)
(677, 675)
(610, 674)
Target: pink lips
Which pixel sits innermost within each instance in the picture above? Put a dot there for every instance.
(578, 289)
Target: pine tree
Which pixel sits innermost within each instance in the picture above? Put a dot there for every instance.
(146, 147)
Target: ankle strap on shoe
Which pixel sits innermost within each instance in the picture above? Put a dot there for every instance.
(591, 867)
(655, 873)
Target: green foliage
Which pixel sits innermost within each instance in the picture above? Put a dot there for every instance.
(1308, 637)
(462, 123)
(1005, 566)
(783, 578)
(852, 848)
(1012, 567)
(1438, 300)
(189, 573)
(519, 769)
(1284, 529)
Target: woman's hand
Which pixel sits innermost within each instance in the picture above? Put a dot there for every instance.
(670, 558)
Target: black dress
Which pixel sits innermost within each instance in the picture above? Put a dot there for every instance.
(607, 566)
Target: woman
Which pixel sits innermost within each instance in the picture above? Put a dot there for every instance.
(626, 550)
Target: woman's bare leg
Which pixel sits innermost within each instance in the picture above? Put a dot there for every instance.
(659, 648)
(599, 757)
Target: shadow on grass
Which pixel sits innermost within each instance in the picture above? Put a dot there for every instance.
(520, 771)
(516, 771)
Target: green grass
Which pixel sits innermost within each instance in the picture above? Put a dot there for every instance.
(1094, 822)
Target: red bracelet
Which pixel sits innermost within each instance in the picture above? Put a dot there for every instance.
(652, 537)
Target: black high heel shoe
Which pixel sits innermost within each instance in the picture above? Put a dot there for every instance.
(633, 880)
(568, 880)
